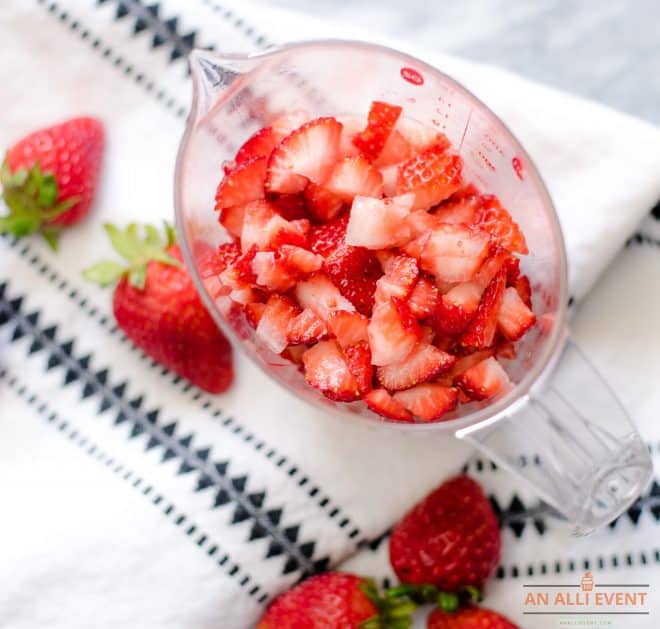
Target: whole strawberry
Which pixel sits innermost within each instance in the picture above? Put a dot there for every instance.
(468, 618)
(49, 178)
(156, 305)
(450, 539)
(337, 600)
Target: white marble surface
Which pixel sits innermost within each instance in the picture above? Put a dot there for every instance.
(606, 50)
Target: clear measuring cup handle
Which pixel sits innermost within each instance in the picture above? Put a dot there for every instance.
(573, 442)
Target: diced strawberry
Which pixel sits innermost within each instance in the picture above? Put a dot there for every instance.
(231, 218)
(272, 273)
(352, 126)
(428, 402)
(480, 332)
(381, 402)
(261, 144)
(381, 120)
(428, 335)
(355, 176)
(512, 266)
(243, 184)
(294, 353)
(497, 259)
(289, 206)
(349, 328)
(306, 328)
(393, 332)
(243, 268)
(506, 351)
(424, 363)
(396, 150)
(326, 369)
(245, 295)
(423, 300)
(322, 296)
(460, 207)
(463, 364)
(253, 312)
(415, 247)
(274, 322)
(378, 223)
(354, 271)
(456, 308)
(420, 136)
(322, 204)
(483, 380)
(514, 317)
(454, 253)
(228, 166)
(287, 123)
(358, 359)
(264, 228)
(524, 289)
(300, 260)
(215, 262)
(421, 222)
(432, 176)
(495, 220)
(401, 273)
(325, 238)
(389, 175)
(309, 153)
(384, 256)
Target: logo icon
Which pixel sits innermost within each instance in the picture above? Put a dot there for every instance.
(587, 582)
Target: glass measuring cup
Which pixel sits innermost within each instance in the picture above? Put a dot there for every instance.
(560, 428)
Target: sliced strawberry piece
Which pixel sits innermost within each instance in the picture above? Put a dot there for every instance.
(352, 126)
(354, 271)
(454, 253)
(432, 176)
(415, 247)
(309, 153)
(306, 328)
(378, 223)
(300, 260)
(460, 208)
(215, 263)
(506, 351)
(381, 402)
(231, 218)
(322, 204)
(495, 220)
(463, 364)
(456, 308)
(244, 183)
(389, 175)
(396, 150)
(421, 222)
(326, 369)
(294, 353)
(514, 317)
(289, 206)
(274, 322)
(393, 332)
(287, 123)
(512, 266)
(480, 332)
(497, 260)
(349, 328)
(238, 275)
(420, 136)
(261, 144)
(424, 363)
(272, 273)
(325, 238)
(423, 300)
(355, 176)
(401, 273)
(358, 359)
(524, 289)
(253, 312)
(483, 380)
(264, 228)
(322, 296)
(428, 402)
(380, 122)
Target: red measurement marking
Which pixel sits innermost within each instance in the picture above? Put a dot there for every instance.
(412, 76)
(486, 161)
(516, 162)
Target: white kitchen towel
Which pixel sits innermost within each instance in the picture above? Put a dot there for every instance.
(131, 499)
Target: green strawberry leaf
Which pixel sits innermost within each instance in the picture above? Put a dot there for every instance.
(51, 236)
(170, 234)
(47, 191)
(104, 273)
(125, 243)
(138, 277)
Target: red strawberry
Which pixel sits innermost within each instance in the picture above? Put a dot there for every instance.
(358, 359)
(157, 306)
(322, 296)
(354, 271)
(480, 332)
(380, 401)
(49, 178)
(524, 289)
(306, 328)
(463, 364)
(326, 369)
(244, 183)
(433, 175)
(423, 300)
(468, 618)
(483, 380)
(506, 351)
(424, 363)
(393, 332)
(379, 223)
(421, 136)
(497, 259)
(460, 207)
(294, 353)
(514, 317)
(381, 121)
(300, 260)
(322, 204)
(287, 123)
(253, 312)
(396, 150)
(264, 228)
(324, 238)
(273, 328)
(212, 262)
(399, 280)
(348, 328)
(495, 220)
(309, 153)
(231, 218)
(271, 273)
(450, 539)
(289, 206)
(261, 144)
(455, 309)
(355, 176)
(428, 402)
(352, 126)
